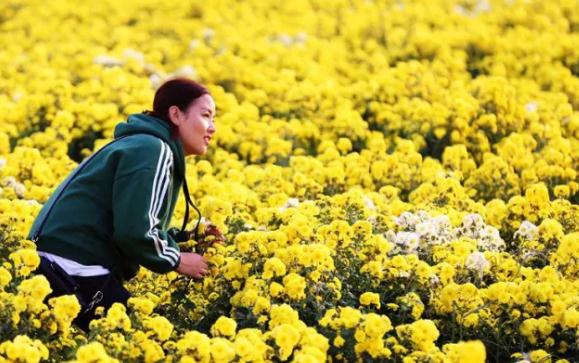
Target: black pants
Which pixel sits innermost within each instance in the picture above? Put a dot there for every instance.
(112, 291)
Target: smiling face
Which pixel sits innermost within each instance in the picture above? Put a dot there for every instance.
(196, 125)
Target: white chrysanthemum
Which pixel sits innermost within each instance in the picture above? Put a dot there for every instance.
(208, 34)
(487, 237)
(527, 231)
(442, 221)
(526, 255)
(426, 228)
(407, 241)
(301, 37)
(477, 261)
(390, 236)
(17, 96)
(435, 231)
(134, 54)
(526, 358)
(186, 71)
(531, 107)
(19, 189)
(8, 181)
(107, 61)
(194, 44)
(434, 279)
(408, 220)
(156, 80)
(490, 239)
(285, 39)
(482, 6)
(472, 221)
(422, 215)
(291, 203)
(369, 203)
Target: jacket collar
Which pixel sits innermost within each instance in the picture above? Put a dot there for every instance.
(147, 124)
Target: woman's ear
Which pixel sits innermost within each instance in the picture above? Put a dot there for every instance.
(175, 115)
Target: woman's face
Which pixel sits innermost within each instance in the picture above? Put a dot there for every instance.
(196, 125)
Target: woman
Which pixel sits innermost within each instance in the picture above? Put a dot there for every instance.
(111, 215)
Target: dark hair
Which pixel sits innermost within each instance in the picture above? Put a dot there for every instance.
(180, 92)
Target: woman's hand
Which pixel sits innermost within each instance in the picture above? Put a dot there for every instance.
(192, 264)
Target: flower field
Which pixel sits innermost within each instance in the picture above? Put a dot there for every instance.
(397, 180)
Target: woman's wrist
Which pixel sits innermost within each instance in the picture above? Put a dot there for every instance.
(178, 263)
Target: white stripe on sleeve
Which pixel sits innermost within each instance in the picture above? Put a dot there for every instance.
(160, 184)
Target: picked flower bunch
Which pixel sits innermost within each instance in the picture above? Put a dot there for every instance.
(207, 235)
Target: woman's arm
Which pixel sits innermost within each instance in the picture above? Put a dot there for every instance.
(140, 193)
(137, 201)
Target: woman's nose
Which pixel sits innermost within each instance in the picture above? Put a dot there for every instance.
(212, 127)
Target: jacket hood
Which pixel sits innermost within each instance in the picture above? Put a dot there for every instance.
(146, 124)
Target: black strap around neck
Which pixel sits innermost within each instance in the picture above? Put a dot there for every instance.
(183, 234)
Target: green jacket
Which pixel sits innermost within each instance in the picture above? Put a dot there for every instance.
(117, 210)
